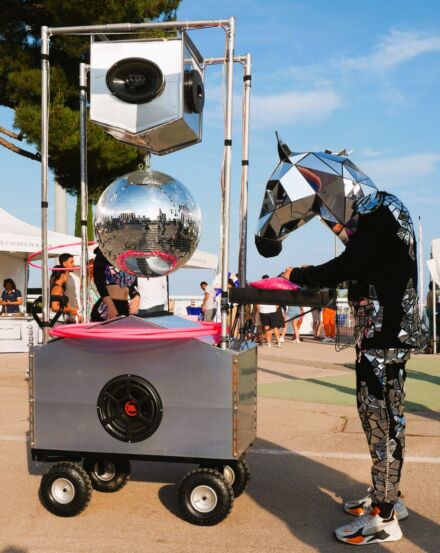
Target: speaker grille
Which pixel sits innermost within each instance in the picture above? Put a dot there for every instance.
(135, 80)
(129, 408)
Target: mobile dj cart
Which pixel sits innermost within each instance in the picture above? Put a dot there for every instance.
(97, 404)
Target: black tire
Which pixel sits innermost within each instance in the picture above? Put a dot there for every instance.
(236, 473)
(204, 497)
(108, 475)
(65, 489)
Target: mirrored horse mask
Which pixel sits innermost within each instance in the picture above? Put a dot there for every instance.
(307, 184)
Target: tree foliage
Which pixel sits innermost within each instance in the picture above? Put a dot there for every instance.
(20, 77)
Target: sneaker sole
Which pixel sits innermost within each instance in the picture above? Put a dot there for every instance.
(369, 540)
(359, 511)
(350, 541)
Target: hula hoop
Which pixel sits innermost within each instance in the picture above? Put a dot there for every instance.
(100, 332)
(63, 269)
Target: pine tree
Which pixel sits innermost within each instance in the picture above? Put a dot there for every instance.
(20, 77)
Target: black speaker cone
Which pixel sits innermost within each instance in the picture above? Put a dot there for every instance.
(129, 408)
(135, 80)
(194, 91)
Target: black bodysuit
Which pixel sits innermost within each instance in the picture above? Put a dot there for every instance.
(380, 266)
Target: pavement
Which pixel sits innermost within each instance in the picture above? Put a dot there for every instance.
(309, 455)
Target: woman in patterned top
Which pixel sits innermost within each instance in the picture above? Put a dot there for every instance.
(117, 290)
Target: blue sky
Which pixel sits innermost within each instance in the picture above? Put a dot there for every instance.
(360, 75)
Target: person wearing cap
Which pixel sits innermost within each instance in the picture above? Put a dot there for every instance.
(380, 265)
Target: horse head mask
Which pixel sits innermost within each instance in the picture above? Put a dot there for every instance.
(307, 184)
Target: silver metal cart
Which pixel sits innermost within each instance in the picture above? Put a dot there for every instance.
(96, 404)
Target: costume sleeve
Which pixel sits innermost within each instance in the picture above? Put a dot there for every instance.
(351, 264)
(133, 290)
(99, 276)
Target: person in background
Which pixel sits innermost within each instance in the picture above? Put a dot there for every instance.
(232, 314)
(92, 292)
(73, 284)
(317, 323)
(11, 297)
(281, 310)
(329, 322)
(294, 317)
(209, 308)
(115, 289)
(58, 298)
(154, 295)
(259, 337)
(270, 321)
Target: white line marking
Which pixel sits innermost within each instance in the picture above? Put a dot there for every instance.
(261, 451)
(340, 455)
(10, 438)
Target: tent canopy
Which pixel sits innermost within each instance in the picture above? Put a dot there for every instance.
(434, 262)
(19, 239)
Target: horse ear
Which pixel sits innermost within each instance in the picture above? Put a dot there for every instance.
(283, 149)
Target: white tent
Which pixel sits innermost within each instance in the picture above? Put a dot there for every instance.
(19, 239)
(434, 262)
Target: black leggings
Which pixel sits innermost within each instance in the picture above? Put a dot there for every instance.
(100, 312)
(380, 376)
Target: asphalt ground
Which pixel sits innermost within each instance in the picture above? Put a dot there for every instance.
(310, 455)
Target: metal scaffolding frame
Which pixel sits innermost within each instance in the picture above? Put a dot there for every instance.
(126, 28)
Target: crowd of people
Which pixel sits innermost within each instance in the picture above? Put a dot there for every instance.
(266, 322)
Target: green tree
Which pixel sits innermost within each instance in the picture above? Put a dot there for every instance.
(20, 77)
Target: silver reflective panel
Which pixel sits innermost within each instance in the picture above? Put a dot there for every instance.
(147, 223)
(308, 184)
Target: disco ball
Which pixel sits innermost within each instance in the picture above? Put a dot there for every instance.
(147, 223)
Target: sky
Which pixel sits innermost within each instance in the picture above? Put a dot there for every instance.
(362, 75)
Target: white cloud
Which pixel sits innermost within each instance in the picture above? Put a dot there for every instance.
(398, 47)
(403, 170)
(293, 106)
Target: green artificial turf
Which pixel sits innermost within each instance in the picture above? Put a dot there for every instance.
(422, 387)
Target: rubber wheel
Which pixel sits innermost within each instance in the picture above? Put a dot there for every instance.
(204, 497)
(108, 475)
(65, 489)
(236, 473)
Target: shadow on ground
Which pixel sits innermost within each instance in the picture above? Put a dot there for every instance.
(304, 494)
(307, 496)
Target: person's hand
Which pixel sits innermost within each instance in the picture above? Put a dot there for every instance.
(134, 305)
(286, 273)
(112, 312)
(203, 308)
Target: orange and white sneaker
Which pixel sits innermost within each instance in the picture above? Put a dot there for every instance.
(370, 528)
(359, 507)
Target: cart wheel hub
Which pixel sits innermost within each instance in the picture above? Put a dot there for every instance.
(105, 471)
(131, 408)
(63, 491)
(203, 499)
(229, 474)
